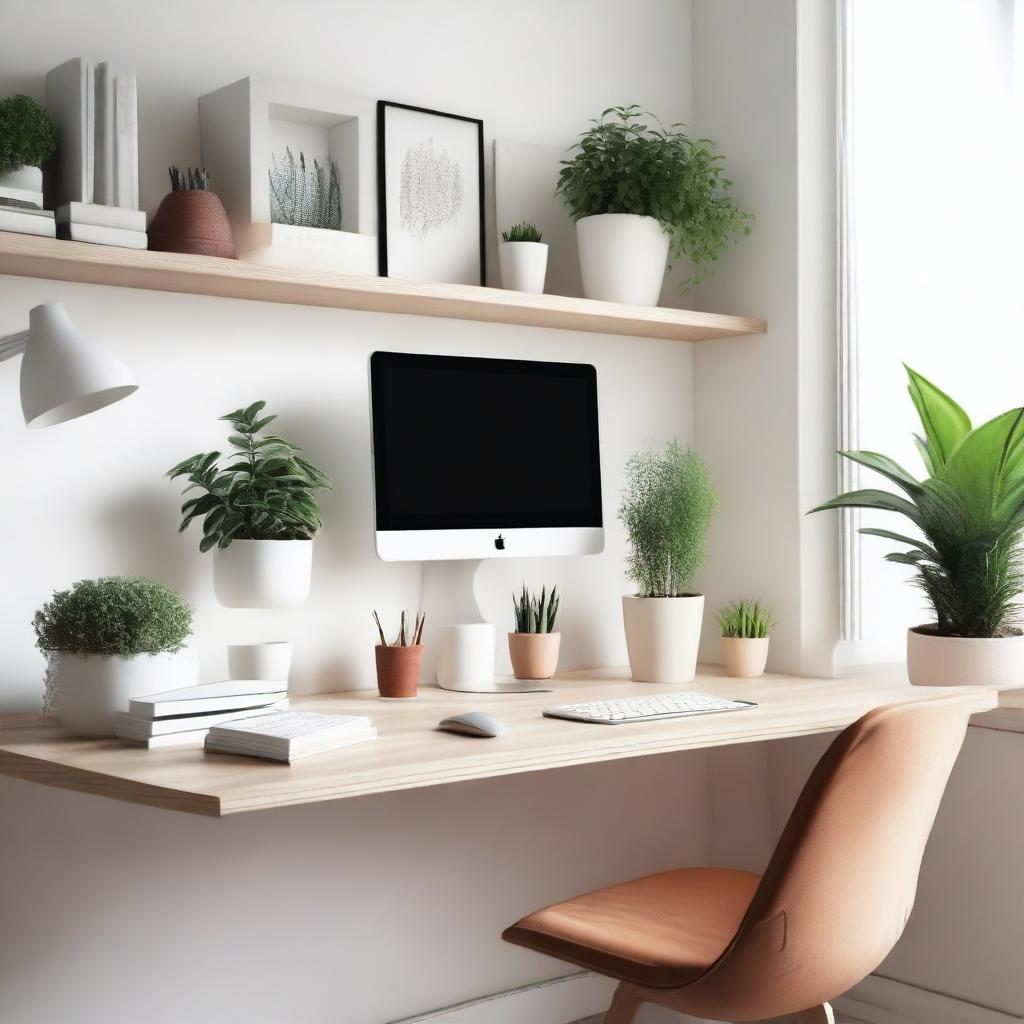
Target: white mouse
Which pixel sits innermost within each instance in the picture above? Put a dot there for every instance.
(474, 723)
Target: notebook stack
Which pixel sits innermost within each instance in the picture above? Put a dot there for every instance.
(104, 225)
(181, 718)
(21, 209)
(289, 735)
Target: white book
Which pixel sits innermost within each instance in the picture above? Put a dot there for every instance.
(102, 216)
(195, 738)
(126, 142)
(20, 197)
(228, 695)
(103, 160)
(90, 133)
(103, 236)
(66, 102)
(25, 211)
(26, 223)
(289, 735)
(141, 727)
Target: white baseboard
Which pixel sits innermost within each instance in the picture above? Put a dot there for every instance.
(878, 1000)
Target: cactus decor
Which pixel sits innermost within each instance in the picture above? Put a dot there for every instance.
(189, 180)
(536, 614)
(302, 197)
(191, 219)
(533, 647)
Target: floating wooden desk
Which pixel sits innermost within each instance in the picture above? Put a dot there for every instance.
(411, 753)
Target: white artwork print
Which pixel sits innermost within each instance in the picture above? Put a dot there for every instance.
(431, 189)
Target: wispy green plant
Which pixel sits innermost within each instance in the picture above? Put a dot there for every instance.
(968, 513)
(521, 233)
(189, 180)
(536, 614)
(749, 620)
(666, 507)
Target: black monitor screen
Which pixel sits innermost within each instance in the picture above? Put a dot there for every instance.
(466, 443)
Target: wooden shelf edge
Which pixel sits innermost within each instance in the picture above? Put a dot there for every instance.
(58, 260)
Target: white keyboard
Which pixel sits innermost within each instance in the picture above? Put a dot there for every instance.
(646, 709)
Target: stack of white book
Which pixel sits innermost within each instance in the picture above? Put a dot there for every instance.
(105, 225)
(26, 220)
(289, 735)
(179, 718)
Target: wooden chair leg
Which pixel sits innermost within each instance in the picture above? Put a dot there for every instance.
(625, 1004)
(815, 1015)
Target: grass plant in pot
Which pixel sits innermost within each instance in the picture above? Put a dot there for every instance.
(28, 138)
(258, 511)
(966, 524)
(108, 640)
(399, 663)
(745, 627)
(523, 259)
(666, 507)
(643, 197)
(533, 647)
(191, 218)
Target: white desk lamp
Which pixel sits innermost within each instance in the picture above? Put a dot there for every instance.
(64, 375)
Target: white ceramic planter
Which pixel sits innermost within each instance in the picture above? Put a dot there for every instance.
(744, 657)
(662, 636)
(269, 662)
(25, 177)
(263, 573)
(91, 688)
(465, 656)
(622, 257)
(534, 655)
(958, 661)
(523, 266)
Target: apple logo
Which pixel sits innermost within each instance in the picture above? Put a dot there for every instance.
(499, 542)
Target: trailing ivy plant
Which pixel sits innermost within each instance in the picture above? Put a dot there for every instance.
(27, 134)
(624, 165)
(260, 490)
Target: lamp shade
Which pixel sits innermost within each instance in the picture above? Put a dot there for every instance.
(65, 375)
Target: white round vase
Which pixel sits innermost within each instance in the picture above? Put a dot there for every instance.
(24, 177)
(523, 266)
(622, 257)
(263, 573)
(465, 656)
(662, 637)
(962, 661)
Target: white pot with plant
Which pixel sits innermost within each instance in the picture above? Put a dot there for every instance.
(523, 259)
(745, 627)
(967, 523)
(642, 198)
(666, 507)
(533, 647)
(28, 138)
(259, 514)
(109, 640)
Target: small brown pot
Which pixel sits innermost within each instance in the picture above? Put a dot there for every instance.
(744, 657)
(194, 222)
(398, 670)
(534, 655)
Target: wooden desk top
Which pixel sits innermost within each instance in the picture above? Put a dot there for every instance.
(411, 753)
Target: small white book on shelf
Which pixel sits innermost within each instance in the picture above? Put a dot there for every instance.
(289, 735)
(128, 726)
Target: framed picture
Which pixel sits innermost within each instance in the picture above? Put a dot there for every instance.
(430, 194)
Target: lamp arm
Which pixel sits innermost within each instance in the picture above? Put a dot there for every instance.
(12, 345)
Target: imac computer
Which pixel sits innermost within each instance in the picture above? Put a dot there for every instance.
(481, 458)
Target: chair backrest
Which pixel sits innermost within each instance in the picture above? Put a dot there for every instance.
(840, 886)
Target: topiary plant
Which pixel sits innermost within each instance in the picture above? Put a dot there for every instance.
(27, 134)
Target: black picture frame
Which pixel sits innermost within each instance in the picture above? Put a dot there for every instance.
(382, 200)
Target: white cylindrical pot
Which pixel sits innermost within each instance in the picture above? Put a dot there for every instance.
(961, 661)
(263, 573)
(91, 688)
(24, 177)
(523, 266)
(267, 662)
(662, 637)
(622, 257)
(465, 656)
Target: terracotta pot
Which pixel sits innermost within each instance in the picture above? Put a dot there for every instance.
(534, 655)
(662, 637)
(744, 657)
(934, 660)
(194, 222)
(398, 670)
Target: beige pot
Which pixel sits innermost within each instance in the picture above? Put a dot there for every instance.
(744, 657)
(959, 661)
(662, 636)
(534, 655)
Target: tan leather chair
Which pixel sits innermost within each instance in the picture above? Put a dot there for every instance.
(734, 946)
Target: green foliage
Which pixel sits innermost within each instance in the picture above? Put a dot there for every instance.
(189, 180)
(27, 133)
(536, 614)
(626, 166)
(261, 490)
(748, 619)
(666, 507)
(968, 514)
(521, 233)
(123, 615)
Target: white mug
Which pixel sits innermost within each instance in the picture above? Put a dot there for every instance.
(465, 655)
(267, 662)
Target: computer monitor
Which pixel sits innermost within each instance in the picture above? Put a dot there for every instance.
(476, 458)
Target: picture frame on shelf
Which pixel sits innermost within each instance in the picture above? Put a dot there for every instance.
(430, 195)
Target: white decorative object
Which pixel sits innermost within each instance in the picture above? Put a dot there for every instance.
(962, 661)
(465, 656)
(263, 573)
(267, 662)
(622, 258)
(523, 266)
(24, 178)
(92, 688)
(662, 637)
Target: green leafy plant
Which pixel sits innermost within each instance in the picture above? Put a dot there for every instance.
(122, 615)
(521, 233)
(969, 513)
(189, 180)
(406, 637)
(27, 133)
(536, 614)
(624, 165)
(666, 507)
(261, 490)
(749, 620)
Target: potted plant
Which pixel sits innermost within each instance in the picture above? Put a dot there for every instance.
(967, 520)
(533, 647)
(642, 196)
(745, 628)
(666, 507)
(398, 664)
(259, 513)
(28, 138)
(108, 640)
(523, 258)
(191, 218)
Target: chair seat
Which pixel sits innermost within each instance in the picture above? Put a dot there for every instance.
(661, 931)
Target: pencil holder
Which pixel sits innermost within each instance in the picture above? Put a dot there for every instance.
(398, 670)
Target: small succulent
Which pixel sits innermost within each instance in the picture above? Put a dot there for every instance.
(189, 180)
(749, 620)
(521, 233)
(406, 637)
(536, 614)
